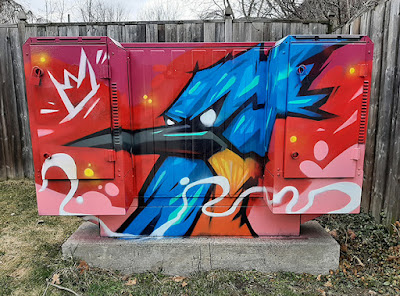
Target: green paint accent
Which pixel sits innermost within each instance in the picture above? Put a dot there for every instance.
(173, 200)
(282, 75)
(226, 86)
(160, 178)
(186, 135)
(251, 85)
(239, 123)
(269, 116)
(222, 78)
(299, 101)
(212, 97)
(190, 204)
(157, 132)
(193, 89)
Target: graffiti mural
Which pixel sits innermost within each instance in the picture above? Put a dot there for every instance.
(205, 139)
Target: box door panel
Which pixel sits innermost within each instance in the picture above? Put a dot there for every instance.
(324, 110)
(70, 99)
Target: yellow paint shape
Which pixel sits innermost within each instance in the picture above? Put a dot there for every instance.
(293, 139)
(145, 97)
(42, 59)
(352, 70)
(89, 172)
(231, 166)
(150, 101)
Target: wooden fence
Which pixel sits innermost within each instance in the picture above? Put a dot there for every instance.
(183, 31)
(381, 191)
(15, 141)
(381, 186)
(15, 144)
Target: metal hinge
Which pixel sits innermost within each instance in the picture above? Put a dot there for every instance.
(363, 70)
(356, 153)
(104, 71)
(111, 157)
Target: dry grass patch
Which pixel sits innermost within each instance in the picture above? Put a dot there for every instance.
(30, 257)
(29, 243)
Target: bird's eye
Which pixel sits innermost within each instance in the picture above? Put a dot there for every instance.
(170, 122)
(208, 118)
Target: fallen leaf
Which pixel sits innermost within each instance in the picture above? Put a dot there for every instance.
(56, 279)
(319, 277)
(83, 266)
(328, 284)
(343, 248)
(131, 282)
(322, 292)
(184, 284)
(351, 233)
(178, 278)
(333, 233)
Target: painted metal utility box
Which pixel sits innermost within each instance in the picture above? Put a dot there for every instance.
(190, 139)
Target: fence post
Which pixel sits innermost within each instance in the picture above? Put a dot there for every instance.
(22, 102)
(228, 24)
(21, 26)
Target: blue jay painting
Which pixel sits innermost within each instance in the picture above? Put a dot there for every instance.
(216, 137)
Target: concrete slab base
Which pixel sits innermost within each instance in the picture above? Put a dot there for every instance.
(314, 252)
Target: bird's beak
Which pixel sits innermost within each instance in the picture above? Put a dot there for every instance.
(178, 140)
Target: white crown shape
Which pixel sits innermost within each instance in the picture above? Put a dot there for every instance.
(74, 110)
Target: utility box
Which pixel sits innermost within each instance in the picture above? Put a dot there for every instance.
(198, 139)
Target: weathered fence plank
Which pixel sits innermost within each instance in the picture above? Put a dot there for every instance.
(376, 34)
(22, 106)
(385, 119)
(385, 99)
(11, 133)
(171, 32)
(209, 32)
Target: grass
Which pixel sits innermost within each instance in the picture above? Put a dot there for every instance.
(30, 256)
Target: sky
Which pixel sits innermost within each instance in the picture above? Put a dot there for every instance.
(133, 7)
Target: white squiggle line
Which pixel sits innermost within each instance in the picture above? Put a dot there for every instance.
(351, 189)
(233, 208)
(219, 180)
(67, 164)
(277, 199)
(107, 230)
(268, 189)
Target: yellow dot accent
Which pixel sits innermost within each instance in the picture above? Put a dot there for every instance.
(89, 172)
(352, 70)
(42, 59)
(145, 97)
(293, 139)
(150, 101)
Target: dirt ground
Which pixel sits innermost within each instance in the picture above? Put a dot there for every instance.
(31, 262)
